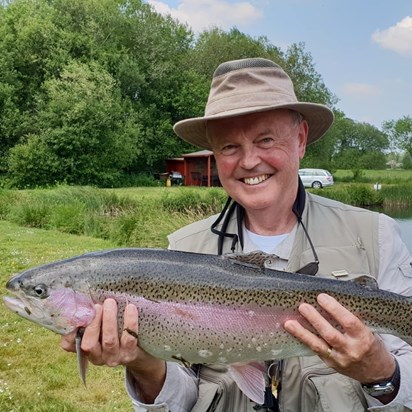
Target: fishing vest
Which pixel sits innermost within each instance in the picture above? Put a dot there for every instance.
(345, 239)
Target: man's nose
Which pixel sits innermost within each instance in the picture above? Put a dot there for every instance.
(249, 158)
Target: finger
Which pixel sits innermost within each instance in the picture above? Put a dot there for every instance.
(91, 336)
(110, 334)
(321, 325)
(349, 322)
(315, 343)
(67, 342)
(128, 340)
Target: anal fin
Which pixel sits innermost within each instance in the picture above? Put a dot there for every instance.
(82, 360)
(250, 378)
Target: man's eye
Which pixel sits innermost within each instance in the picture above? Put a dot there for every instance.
(266, 142)
(228, 149)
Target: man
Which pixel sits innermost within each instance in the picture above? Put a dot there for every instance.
(258, 132)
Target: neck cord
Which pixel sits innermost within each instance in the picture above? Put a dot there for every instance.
(229, 208)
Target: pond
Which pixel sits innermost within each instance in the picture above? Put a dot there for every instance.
(406, 229)
(404, 218)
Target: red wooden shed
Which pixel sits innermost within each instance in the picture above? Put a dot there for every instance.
(198, 168)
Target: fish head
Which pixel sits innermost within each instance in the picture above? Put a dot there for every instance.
(51, 298)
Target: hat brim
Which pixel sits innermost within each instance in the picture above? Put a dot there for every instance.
(319, 117)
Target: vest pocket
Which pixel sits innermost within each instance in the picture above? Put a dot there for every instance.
(324, 390)
(219, 393)
(352, 259)
(406, 270)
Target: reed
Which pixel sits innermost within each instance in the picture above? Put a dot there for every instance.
(126, 219)
(356, 194)
(395, 196)
(143, 217)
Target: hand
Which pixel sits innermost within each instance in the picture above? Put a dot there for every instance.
(352, 351)
(103, 346)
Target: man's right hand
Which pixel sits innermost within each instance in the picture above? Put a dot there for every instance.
(102, 345)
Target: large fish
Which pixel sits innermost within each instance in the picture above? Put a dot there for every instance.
(197, 308)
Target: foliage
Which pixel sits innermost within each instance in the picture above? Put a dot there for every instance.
(123, 219)
(215, 46)
(90, 90)
(355, 194)
(308, 83)
(90, 86)
(407, 161)
(400, 132)
(397, 195)
(358, 145)
(387, 177)
(83, 134)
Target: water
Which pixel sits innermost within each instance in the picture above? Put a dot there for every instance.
(404, 218)
(406, 230)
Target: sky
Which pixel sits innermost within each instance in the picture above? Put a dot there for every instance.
(361, 48)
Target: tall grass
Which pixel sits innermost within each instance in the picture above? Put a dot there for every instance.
(127, 220)
(396, 196)
(355, 194)
(143, 217)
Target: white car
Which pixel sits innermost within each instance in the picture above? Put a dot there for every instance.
(316, 178)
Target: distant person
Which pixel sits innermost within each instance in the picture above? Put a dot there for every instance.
(258, 132)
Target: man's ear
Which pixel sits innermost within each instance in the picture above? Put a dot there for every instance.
(303, 137)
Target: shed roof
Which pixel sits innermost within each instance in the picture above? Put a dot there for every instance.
(200, 153)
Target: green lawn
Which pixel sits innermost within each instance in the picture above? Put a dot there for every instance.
(35, 374)
(387, 175)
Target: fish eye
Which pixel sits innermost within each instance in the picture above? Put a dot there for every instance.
(40, 291)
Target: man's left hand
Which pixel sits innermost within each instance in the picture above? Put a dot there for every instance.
(353, 350)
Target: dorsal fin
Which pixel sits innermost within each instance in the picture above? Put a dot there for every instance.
(366, 280)
(255, 259)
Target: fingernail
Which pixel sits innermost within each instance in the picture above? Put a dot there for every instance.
(289, 326)
(131, 309)
(110, 303)
(324, 298)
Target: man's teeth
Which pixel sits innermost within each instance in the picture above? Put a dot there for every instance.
(255, 180)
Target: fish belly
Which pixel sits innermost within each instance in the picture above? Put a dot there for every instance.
(209, 334)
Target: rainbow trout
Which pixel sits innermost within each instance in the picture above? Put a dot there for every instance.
(196, 308)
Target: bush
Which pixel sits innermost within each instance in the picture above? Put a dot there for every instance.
(209, 202)
(354, 194)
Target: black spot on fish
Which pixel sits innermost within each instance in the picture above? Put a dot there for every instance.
(27, 310)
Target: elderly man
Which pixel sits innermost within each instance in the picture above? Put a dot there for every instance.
(258, 132)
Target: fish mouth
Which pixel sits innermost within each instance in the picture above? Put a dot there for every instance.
(18, 306)
(252, 181)
(32, 312)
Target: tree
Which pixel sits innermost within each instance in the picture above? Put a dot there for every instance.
(400, 133)
(84, 135)
(215, 46)
(358, 145)
(139, 51)
(309, 85)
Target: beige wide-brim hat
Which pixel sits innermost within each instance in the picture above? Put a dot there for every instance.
(247, 86)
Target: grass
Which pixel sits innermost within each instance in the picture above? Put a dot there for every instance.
(387, 176)
(47, 225)
(129, 217)
(41, 226)
(35, 374)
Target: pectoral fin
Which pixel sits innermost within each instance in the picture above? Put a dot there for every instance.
(250, 378)
(82, 360)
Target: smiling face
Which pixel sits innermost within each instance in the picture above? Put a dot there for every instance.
(257, 157)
